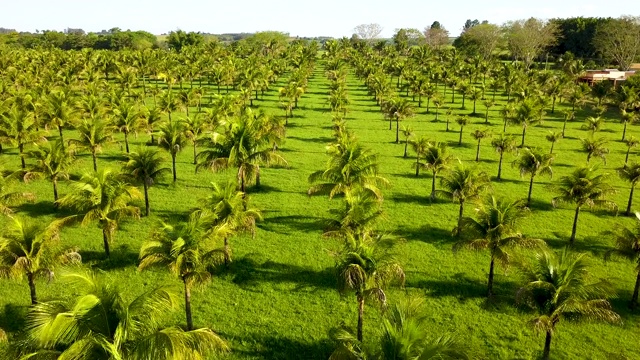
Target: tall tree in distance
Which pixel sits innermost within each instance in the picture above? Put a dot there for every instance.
(619, 40)
(527, 39)
(368, 32)
(436, 35)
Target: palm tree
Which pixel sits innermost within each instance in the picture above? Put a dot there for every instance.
(534, 163)
(20, 129)
(231, 211)
(479, 135)
(28, 249)
(627, 117)
(627, 245)
(361, 213)
(99, 324)
(60, 109)
(420, 146)
(145, 166)
(525, 115)
(127, 119)
(407, 132)
(488, 104)
(94, 134)
(631, 174)
(558, 289)
(496, 229)
(584, 187)
(462, 121)
(595, 147)
(184, 247)
(462, 184)
(503, 144)
(631, 142)
(104, 198)
(366, 270)
(398, 109)
(437, 103)
(194, 127)
(568, 116)
(593, 124)
(553, 137)
(436, 160)
(53, 161)
(169, 103)
(8, 197)
(172, 137)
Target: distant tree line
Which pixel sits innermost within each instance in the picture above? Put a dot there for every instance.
(76, 39)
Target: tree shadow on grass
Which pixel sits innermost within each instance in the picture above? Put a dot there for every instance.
(312, 224)
(540, 205)
(319, 139)
(427, 234)
(591, 244)
(13, 317)
(40, 208)
(121, 257)
(419, 199)
(278, 347)
(247, 273)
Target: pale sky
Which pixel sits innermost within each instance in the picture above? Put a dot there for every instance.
(335, 18)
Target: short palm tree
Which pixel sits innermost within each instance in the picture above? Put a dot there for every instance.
(420, 146)
(595, 147)
(462, 184)
(495, 228)
(584, 187)
(52, 161)
(593, 124)
(194, 126)
(145, 166)
(172, 137)
(99, 324)
(364, 268)
(104, 198)
(533, 162)
(20, 129)
(631, 143)
(503, 144)
(558, 289)
(479, 135)
(184, 247)
(627, 245)
(631, 174)
(9, 197)
(93, 135)
(436, 159)
(398, 109)
(30, 249)
(127, 119)
(408, 133)
(462, 121)
(553, 137)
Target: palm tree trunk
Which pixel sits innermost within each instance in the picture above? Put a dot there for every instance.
(552, 144)
(626, 158)
(628, 212)
(418, 164)
(126, 141)
(390, 123)
(500, 166)
(504, 126)
(460, 140)
(195, 150)
(360, 316)
(95, 162)
(242, 185)
(564, 127)
(433, 186)
(257, 176)
(173, 163)
(187, 305)
(55, 192)
(406, 144)
(32, 288)
(490, 285)
(478, 151)
(530, 190)
(105, 241)
(22, 162)
(636, 289)
(524, 132)
(461, 212)
(227, 252)
(474, 107)
(553, 105)
(575, 227)
(397, 131)
(60, 131)
(147, 209)
(547, 346)
(624, 131)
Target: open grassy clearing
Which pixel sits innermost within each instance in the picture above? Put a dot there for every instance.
(278, 299)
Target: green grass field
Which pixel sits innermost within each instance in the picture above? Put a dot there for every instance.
(278, 300)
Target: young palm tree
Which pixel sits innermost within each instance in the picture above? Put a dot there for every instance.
(595, 147)
(593, 124)
(29, 249)
(584, 187)
(172, 137)
(420, 146)
(60, 110)
(436, 159)
(145, 166)
(398, 109)
(462, 184)
(8, 197)
(534, 163)
(104, 198)
(496, 229)
(568, 116)
(99, 324)
(194, 126)
(631, 174)
(184, 247)
(488, 104)
(525, 115)
(479, 135)
(558, 289)
(627, 117)
(462, 121)
(631, 143)
(127, 119)
(627, 245)
(52, 161)
(553, 137)
(503, 144)
(366, 270)
(408, 133)
(94, 134)
(20, 129)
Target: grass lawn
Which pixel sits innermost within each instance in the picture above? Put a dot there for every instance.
(278, 300)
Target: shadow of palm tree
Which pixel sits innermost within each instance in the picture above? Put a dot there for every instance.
(295, 223)
(427, 234)
(279, 347)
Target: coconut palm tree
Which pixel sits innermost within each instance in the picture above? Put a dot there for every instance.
(127, 119)
(30, 249)
(488, 104)
(584, 187)
(169, 103)
(172, 137)
(9, 197)
(595, 147)
(408, 133)
(94, 134)
(194, 126)
(436, 159)
(593, 124)
(231, 211)
(145, 166)
(558, 289)
(631, 174)
(20, 129)
(479, 135)
(183, 247)
(553, 137)
(627, 245)
(525, 115)
(52, 161)
(496, 229)
(631, 143)
(503, 144)
(627, 117)
(104, 198)
(100, 324)
(361, 213)
(398, 109)
(462, 121)
(533, 162)
(60, 109)
(420, 146)
(568, 116)
(462, 184)
(364, 268)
